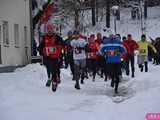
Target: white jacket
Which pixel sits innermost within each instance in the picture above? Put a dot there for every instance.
(78, 52)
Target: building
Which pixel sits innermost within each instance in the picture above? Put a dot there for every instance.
(15, 32)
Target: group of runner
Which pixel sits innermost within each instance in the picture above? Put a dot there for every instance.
(105, 56)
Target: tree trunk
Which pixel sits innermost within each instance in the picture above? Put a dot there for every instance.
(93, 13)
(76, 19)
(145, 9)
(97, 10)
(108, 13)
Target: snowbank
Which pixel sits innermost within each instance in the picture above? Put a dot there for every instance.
(23, 96)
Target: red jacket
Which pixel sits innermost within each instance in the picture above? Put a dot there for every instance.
(51, 48)
(94, 47)
(131, 46)
(99, 41)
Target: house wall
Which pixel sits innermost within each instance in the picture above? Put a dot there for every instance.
(15, 12)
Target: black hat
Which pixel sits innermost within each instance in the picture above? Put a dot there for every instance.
(143, 36)
(69, 33)
(124, 38)
(129, 35)
(76, 32)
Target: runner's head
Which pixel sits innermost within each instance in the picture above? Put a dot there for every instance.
(70, 34)
(118, 36)
(76, 34)
(112, 37)
(143, 37)
(50, 29)
(129, 37)
(99, 36)
(124, 38)
(92, 38)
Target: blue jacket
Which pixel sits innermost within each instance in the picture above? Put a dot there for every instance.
(112, 50)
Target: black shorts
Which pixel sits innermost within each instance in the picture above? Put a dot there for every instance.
(113, 68)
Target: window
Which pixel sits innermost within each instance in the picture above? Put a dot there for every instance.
(25, 36)
(0, 34)
(26, 44)
(16, 35)
(0, 43)
(5, 33)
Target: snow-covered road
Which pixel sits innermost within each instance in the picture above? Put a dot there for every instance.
(23, 96)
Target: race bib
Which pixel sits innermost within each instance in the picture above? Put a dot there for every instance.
(142, 51)
(51, 49)
(78, 51)
(113, 52)
(92, 54)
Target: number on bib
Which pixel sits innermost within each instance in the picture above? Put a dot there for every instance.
(113, 52)
(78, 51)
(52, 49)
(142, 51)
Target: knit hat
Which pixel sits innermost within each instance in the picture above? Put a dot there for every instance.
(76, 32)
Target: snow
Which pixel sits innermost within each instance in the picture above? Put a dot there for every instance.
(128, 26)
(124, 26)
(23, 96)
(115, 7)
